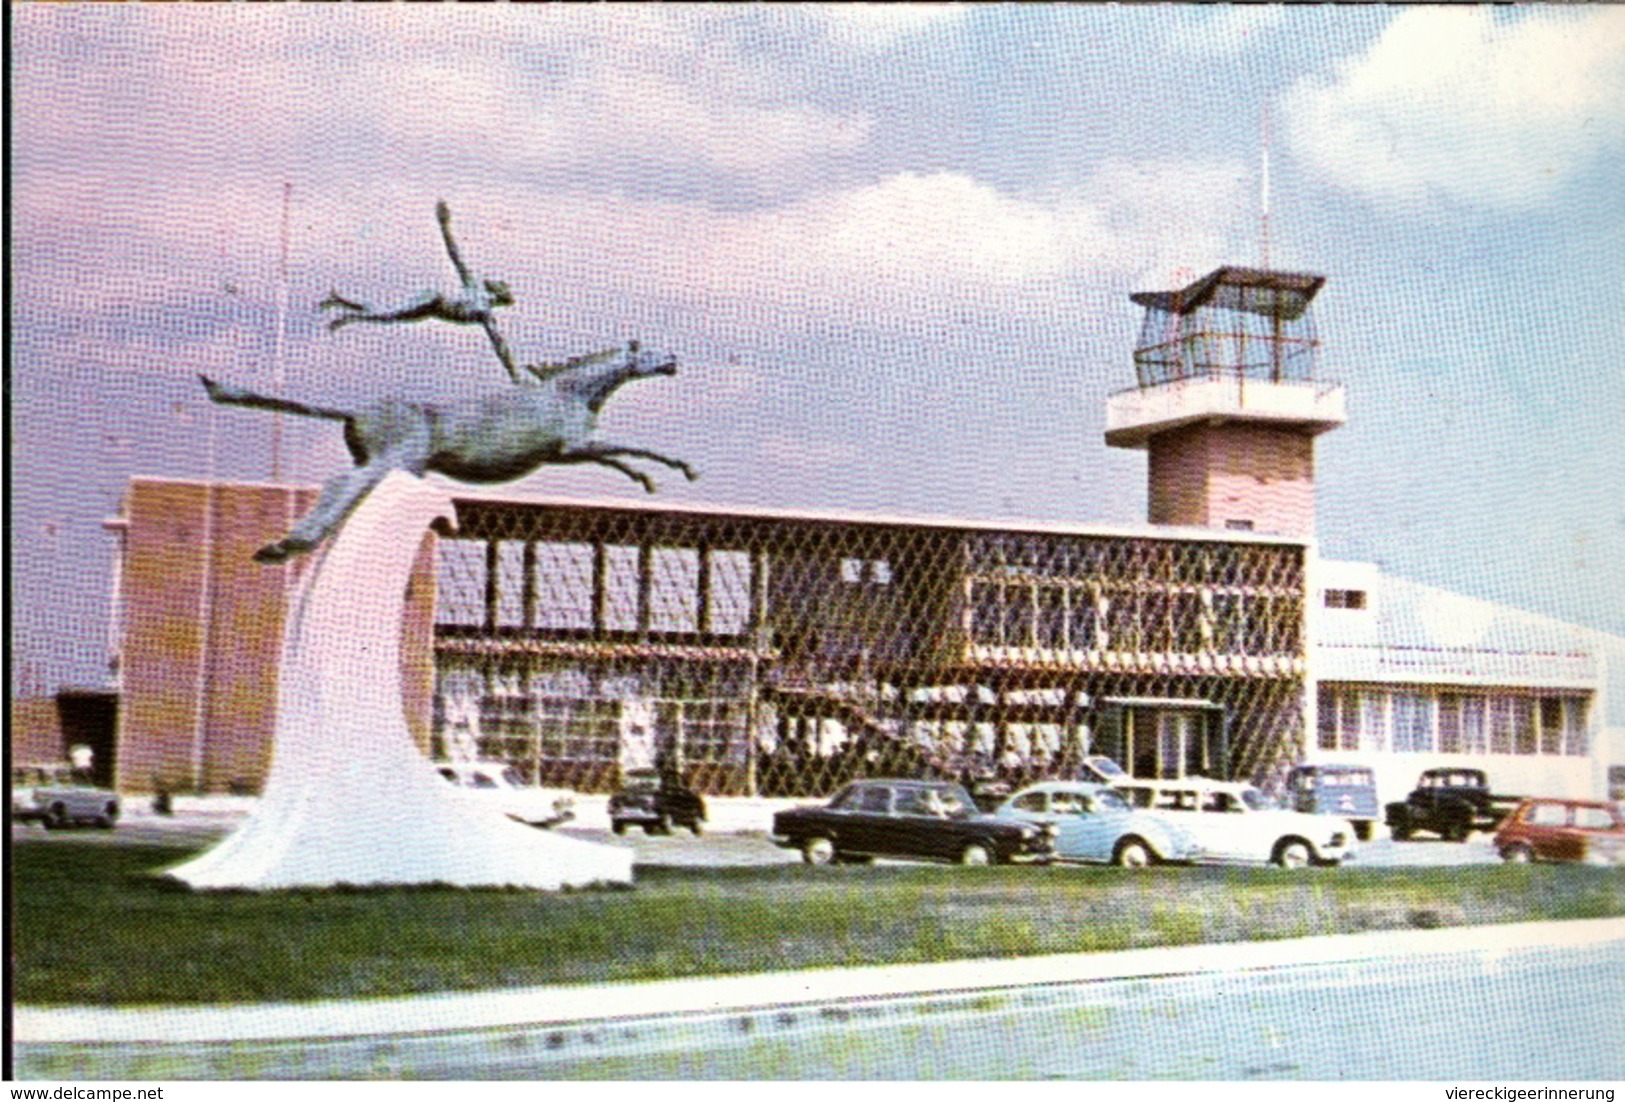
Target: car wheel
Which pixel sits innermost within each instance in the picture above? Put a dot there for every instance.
(1457, 832)
(56, 818)
(818, 851)
(107, 818)
(976, 853)
(1132, 854)
(618, 826)
(1293, 853)
(1401, 833)
(697, 827)
(1362, 830)
(1517, 855)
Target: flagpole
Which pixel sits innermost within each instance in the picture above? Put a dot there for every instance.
(279, 373)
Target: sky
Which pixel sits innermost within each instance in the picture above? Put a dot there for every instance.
(891, 248)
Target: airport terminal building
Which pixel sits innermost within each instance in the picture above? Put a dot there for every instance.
(782, 652)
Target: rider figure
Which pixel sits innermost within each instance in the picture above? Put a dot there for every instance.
(479, 298)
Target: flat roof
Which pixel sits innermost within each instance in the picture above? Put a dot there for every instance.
(1254, 290)
(897, 520)
(461, 492)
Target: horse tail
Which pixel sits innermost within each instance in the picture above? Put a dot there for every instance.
(237, 396)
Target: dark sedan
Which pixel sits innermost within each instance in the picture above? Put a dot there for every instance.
(928, 820)
(656, 802)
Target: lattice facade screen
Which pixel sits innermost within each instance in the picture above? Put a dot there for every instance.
(784, 655)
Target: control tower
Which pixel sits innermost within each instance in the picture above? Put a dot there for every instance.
(1226, 402)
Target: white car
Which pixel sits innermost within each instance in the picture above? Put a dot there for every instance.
(499, 785)
(1093, 822)
(57, 797)
(1236, 822)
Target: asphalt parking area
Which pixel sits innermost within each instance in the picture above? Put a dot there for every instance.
(714, 849)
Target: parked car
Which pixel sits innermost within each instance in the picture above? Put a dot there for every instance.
(1346, 791)
(928, 820)
(498, 785)
(1230, 821)
(1093, 822)
(1563, 830)
(987, 790)
(1450, 802)
(58, 796)
(1101, 770)
(656, 802)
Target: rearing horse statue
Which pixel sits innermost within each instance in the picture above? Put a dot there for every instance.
(495, 437)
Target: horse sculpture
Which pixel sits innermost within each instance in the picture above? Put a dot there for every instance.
(494, 437)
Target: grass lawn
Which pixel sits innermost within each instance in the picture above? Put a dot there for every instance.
(91, 926)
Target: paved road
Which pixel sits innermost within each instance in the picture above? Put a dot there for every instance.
(1538, 1014)
(1537, 1002)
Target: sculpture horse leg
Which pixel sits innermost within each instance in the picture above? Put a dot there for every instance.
(607, 455)
(389, 437)
(340, 495)
(238, 396)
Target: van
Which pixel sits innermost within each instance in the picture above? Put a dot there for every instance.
(1347, 791)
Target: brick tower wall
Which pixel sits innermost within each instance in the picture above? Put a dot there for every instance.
(1209, 475)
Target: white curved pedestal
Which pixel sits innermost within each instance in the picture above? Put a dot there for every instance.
(350, 798)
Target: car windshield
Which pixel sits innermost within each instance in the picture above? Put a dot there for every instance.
(1256, 800)
(1109, 801)
(641, 782)
(1106, 767)
(1352, 779)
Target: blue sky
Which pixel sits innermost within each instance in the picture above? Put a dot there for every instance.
(891, 246)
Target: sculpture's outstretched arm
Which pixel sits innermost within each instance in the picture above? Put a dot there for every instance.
(500, 346)
(443, 213)
(475, 294)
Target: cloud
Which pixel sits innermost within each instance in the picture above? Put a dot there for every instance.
(1221, 30)
(589, 95)
(1464, 106)
(152, 150)
(881, 26)
(905, 248)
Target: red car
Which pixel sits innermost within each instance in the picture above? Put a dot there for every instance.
(1563, 830)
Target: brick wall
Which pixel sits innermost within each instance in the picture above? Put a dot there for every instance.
(34, 732)
(202, 633)
(1208, 475)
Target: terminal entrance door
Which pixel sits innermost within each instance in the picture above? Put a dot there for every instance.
(1166, 739)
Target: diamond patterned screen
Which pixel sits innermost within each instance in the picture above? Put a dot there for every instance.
(784, 655)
